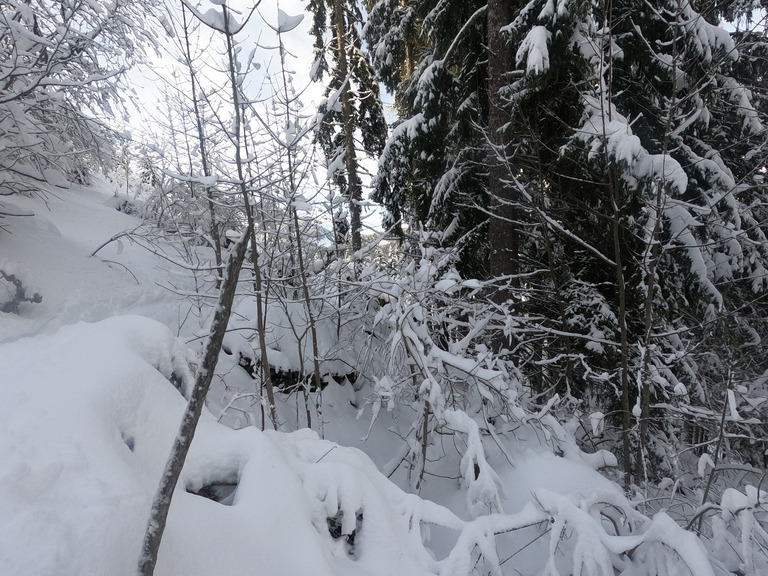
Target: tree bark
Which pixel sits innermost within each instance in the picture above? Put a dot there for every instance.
(354, 190)
(626, 415)
(502, 235)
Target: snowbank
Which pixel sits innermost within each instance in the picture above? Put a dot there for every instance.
(86, 423)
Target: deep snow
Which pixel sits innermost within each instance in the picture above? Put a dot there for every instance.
(89, 412)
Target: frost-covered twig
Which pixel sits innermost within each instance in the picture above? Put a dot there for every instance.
(19, 294)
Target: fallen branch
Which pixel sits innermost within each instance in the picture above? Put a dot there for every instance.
(19, 295)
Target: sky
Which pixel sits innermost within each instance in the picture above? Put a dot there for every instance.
(147, 79)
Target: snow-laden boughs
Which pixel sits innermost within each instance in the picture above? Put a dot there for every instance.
(534, 50)
(431, 172)
(352, 102)
(391, 30)
(59, 67)
(632, 126)
(630, 149)
(738, 531)
(436, 375)
(434, 363)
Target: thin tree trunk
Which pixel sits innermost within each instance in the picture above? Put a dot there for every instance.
(424, 444)
(162, 502)
(719, 444)
(201, 140)
(504, 261)
(606, 98)
(563, 385)
(650, 283)
(302, 271)
(260, 312)
(652, 263)
(626, 422)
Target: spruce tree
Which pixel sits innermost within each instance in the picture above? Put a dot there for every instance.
(613, 169)
(635, 130)
(353, 104)
(434, 169)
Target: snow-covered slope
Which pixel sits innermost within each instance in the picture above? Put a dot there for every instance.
(51, 253)
(89, 414)
(88, 419)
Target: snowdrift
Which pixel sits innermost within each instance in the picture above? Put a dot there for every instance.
(87, 422)
(89, 412)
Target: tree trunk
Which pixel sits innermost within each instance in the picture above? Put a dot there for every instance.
(626, 415)
(502, 233)
(354, 190)
(258, 284)
(203, 149)
(162, 502)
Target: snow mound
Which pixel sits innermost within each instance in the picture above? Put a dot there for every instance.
(87, 422)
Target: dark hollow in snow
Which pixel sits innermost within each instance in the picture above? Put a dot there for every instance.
(335, 529)
(221, 492)
(128, 439)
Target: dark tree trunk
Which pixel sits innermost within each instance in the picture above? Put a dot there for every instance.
(502, 233)
(354, 190)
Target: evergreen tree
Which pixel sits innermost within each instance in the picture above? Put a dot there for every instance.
(353, 104)
(636, 132)
(619, 157)
(434, 170)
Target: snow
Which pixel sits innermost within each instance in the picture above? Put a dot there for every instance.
(612, 131)
(534, 50)
(214, 17)
(710, 40)
(89, 415)
(704, 462)
(88, 472)
(91, 405)
(682, 226)
(286, 23)
(597, 422)
(335, 165)
(53, 250)
(742, 99)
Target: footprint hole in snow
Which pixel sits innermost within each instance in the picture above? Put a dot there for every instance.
(128, 440)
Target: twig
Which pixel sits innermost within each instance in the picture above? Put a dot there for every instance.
(126, 269)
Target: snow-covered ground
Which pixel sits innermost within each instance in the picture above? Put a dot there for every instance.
(89, 414)
(89, 411)
(88, 419)
(51, 250)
